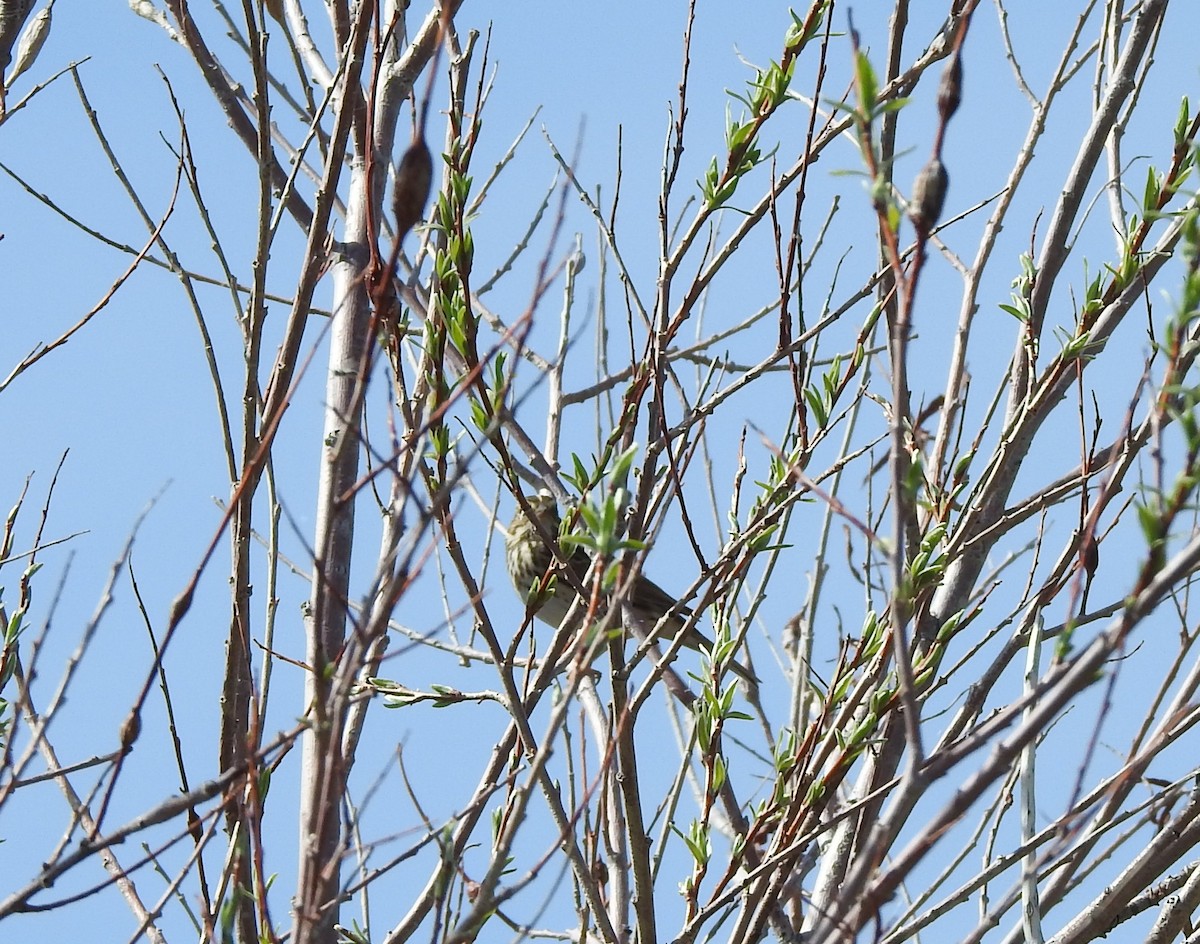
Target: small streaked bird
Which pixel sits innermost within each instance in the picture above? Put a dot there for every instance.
(528, 558)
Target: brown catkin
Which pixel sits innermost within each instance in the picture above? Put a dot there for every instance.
(928, 195)
(950, 87)
(413, 179)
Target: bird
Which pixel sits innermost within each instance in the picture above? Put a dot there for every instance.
(528, 558)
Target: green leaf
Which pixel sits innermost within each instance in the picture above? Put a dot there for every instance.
(1153, 188)
(868, 84)
(622, 465)
(863, 730)
(948, 628)
(892, 105)
(1181, 123)
(817, 406)
(739, 135)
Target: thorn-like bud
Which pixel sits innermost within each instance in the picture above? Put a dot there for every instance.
(413, 178)
(928, 195)
(949, 94)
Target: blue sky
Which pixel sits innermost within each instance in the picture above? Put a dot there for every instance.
(131, 399)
